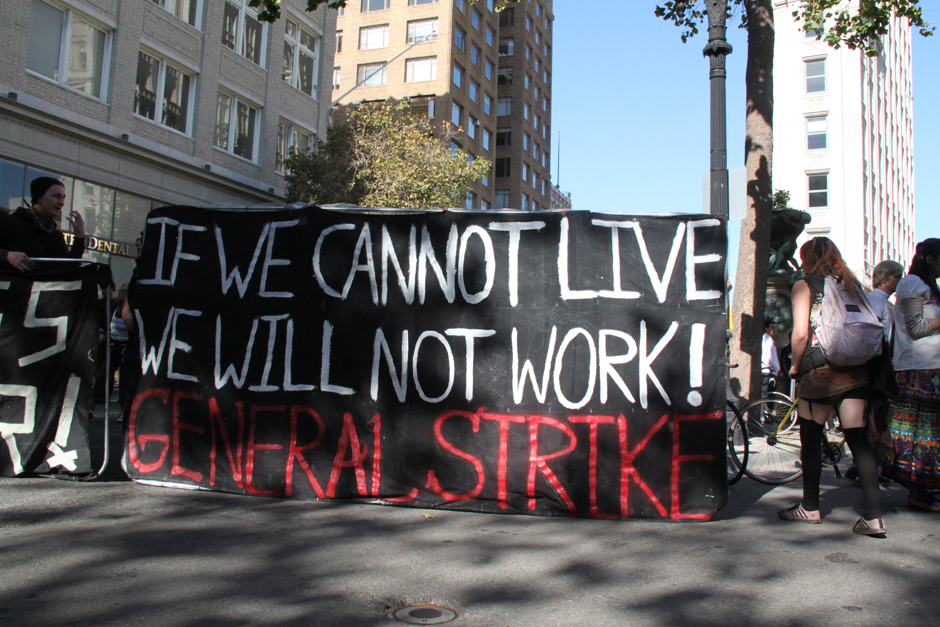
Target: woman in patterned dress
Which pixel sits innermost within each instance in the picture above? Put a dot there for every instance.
(914, 415)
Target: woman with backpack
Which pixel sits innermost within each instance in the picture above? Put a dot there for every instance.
(914, 414)
(824, 388)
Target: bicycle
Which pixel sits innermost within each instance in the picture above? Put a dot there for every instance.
(738, 445)
(774, 445)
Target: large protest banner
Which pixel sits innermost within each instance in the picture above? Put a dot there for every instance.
(549, 363)
(48, 340)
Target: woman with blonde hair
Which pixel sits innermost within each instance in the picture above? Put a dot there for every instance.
(914, 414)
(824, 388)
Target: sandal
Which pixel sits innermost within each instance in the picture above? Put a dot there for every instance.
(923, 506)
(798, 514)
(874, 527)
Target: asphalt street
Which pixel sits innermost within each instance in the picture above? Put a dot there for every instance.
(113, 552)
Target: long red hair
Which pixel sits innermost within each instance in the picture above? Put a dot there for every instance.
(821, 255)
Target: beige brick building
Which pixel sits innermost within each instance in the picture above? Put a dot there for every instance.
(488, 73)
(142, 103)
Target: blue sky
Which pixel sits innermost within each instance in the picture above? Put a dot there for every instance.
(631, 102)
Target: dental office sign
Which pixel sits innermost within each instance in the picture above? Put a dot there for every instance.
(501, 362)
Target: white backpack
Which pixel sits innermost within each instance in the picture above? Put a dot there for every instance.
(849, 333)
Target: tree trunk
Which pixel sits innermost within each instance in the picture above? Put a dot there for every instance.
(751, 279)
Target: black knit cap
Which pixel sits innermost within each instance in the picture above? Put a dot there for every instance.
(40, 185)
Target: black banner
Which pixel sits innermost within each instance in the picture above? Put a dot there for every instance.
(48, 339)
(523, 363)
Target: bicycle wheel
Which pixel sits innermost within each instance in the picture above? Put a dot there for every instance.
(774, 454)
(737, 444)
(787, 425)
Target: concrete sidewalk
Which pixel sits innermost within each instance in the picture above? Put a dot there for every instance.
(116, 553)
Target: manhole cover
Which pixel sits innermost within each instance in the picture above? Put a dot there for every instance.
(424, 614)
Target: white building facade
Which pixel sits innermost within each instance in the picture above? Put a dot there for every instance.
(844, 140)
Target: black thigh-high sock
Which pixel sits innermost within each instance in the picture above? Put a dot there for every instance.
(867, 467)
(811, 457)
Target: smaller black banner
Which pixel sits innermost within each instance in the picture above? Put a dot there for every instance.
(48, 339)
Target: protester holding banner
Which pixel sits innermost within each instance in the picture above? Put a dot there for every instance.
(32, 231)
(824, 388)
(914, 414)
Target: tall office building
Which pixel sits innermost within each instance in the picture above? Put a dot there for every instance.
(488, 73)
(844, 138)
(141, 103)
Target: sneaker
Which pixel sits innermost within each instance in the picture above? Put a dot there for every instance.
(798, 514)
(874, 527)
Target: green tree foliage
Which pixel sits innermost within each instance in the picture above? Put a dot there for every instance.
(384, 156)
(861, 29)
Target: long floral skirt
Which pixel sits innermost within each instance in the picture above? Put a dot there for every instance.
(914, 421)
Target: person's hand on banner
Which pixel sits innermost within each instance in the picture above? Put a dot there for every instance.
(20, 261)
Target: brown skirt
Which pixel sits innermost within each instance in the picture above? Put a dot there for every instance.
(830, 381)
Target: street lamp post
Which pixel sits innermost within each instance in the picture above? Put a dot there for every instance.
(716, 50)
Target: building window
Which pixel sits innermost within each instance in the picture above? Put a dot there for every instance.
(545, 104)
(525, 110)
(504, 106)
(456, 114)
(459, 5)
(507, 17)
(525, 202)
(460, 39)
(501, 199)
(506, 47)
(289, 139)
(528, 23)
(504, 77)
(458, 75)
(486, 139)
(472, 124)
(484, 206)
(546, 77)
(472, 89)
(242, 32)
(536, 152)
(488, 70)
(421, 31)
(375, 5)
(420, 70)
(525, 142)
(475, 54)
(336, 77)
(339, 41)
(487, 104)
(543, 187)
(818, 190)
(300, 58)
(525, 172)
(528, 82)
(414, 3)
(373, 37)
(545, 159)
(236, 126)
(454, 148)
(371, 74)
(815, 76)
(87, 49)
(538, 37)
(489, 5)
(477, 19)
(186, 10)
(545, 131)
(504, 136)
(175, 88)
(535, 122)
(816, 132)
(422, 106)
(469, 200)
(503, 167)
(490, 36)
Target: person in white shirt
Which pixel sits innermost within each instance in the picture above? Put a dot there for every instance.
(885, 278)
(769, 361)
